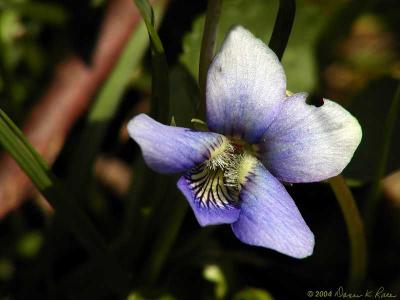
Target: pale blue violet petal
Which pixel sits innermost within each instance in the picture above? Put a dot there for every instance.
(168, 149)
(246, 85)
(206, 211)
(306, 143)
(269, 217)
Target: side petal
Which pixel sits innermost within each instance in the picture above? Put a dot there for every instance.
(168, 149)
(211, 201)
(307, 143)
(246, 85)
(269, 217)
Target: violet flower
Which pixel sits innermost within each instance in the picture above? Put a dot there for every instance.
(259, 138)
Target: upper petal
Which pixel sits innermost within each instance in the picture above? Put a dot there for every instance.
(269, 217)
(168, 149)
(246, 85)
(307, 143)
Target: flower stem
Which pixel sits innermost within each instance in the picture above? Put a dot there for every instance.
(373, 199)
(283, 27)
(207, 49)
(355, 229)
(159, 107)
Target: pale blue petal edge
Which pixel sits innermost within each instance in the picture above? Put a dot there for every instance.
(269, 217)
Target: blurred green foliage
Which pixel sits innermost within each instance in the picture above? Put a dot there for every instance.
(29, 244)
(253, 294)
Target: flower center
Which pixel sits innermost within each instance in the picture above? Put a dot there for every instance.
(227, 159)
(217, 181)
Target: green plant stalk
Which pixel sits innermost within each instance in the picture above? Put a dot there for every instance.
(159, 107)
(355, 229)
(282, 27)
(374, 194)
(160, 80)
(142, 204)
(207, 50)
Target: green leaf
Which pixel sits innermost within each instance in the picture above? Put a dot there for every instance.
(148, 16)
(19, 148)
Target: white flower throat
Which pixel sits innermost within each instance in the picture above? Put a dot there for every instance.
(217, 181)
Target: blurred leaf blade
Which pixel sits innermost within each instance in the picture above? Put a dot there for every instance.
(44, 12)
(107, 101)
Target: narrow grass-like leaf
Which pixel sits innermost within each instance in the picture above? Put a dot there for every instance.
(16, 144)
(147, 192)
(283, 27)
(147, 189)
(71, 216)
(148, 16)
(24, 140)
(160, 82)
